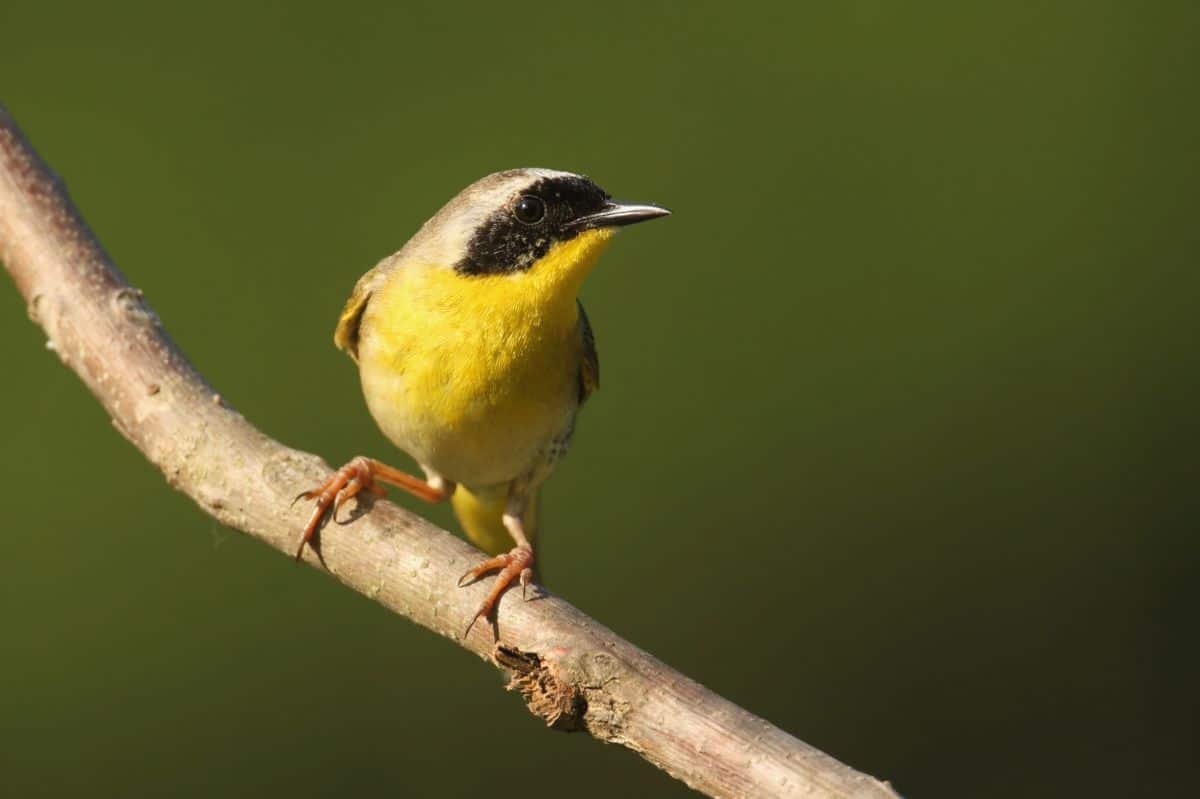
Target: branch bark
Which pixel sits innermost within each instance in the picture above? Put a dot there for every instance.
(574, 673)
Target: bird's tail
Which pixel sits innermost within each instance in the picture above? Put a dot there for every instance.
(482, 516)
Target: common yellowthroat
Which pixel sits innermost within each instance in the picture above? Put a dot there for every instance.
(476, 355)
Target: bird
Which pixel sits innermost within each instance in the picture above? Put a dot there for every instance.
(475, 356)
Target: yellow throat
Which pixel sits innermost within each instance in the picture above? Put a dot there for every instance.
(544, 292)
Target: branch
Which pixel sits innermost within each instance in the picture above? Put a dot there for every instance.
(572, 671)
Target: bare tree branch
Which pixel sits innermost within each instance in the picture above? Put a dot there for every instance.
(573, 672)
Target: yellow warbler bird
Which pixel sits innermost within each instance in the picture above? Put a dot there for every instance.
(476, 355)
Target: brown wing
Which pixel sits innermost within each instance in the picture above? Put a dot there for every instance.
(589, 362)
(345, 335)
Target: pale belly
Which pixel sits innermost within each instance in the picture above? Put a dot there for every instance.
(474, 412)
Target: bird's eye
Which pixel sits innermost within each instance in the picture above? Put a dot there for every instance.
(530, 210)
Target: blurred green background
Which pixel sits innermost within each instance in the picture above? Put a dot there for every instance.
(896, 439)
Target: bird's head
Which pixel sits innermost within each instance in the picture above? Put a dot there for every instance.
(538, 227)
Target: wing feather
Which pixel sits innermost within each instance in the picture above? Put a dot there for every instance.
(589, 363)
(345, 335)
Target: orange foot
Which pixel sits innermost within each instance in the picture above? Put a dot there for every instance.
(517, 562)
(358, 475)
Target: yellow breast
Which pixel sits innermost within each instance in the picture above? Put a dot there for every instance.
(474, 376)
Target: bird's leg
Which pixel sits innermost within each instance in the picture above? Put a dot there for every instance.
(361, 474)
(514, 564)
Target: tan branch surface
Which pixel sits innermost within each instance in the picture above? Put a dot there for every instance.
(573, 672)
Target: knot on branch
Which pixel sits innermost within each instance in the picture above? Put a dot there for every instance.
(551, 698)
(130, 303)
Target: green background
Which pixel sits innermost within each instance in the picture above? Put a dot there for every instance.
(896, 443)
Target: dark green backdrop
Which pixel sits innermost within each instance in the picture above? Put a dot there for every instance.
(895, 444)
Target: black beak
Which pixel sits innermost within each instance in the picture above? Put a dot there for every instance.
(615, 214)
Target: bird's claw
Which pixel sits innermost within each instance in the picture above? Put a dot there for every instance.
(516, 564)
(343, 484)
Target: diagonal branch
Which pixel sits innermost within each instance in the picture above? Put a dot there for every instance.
(573, 672)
